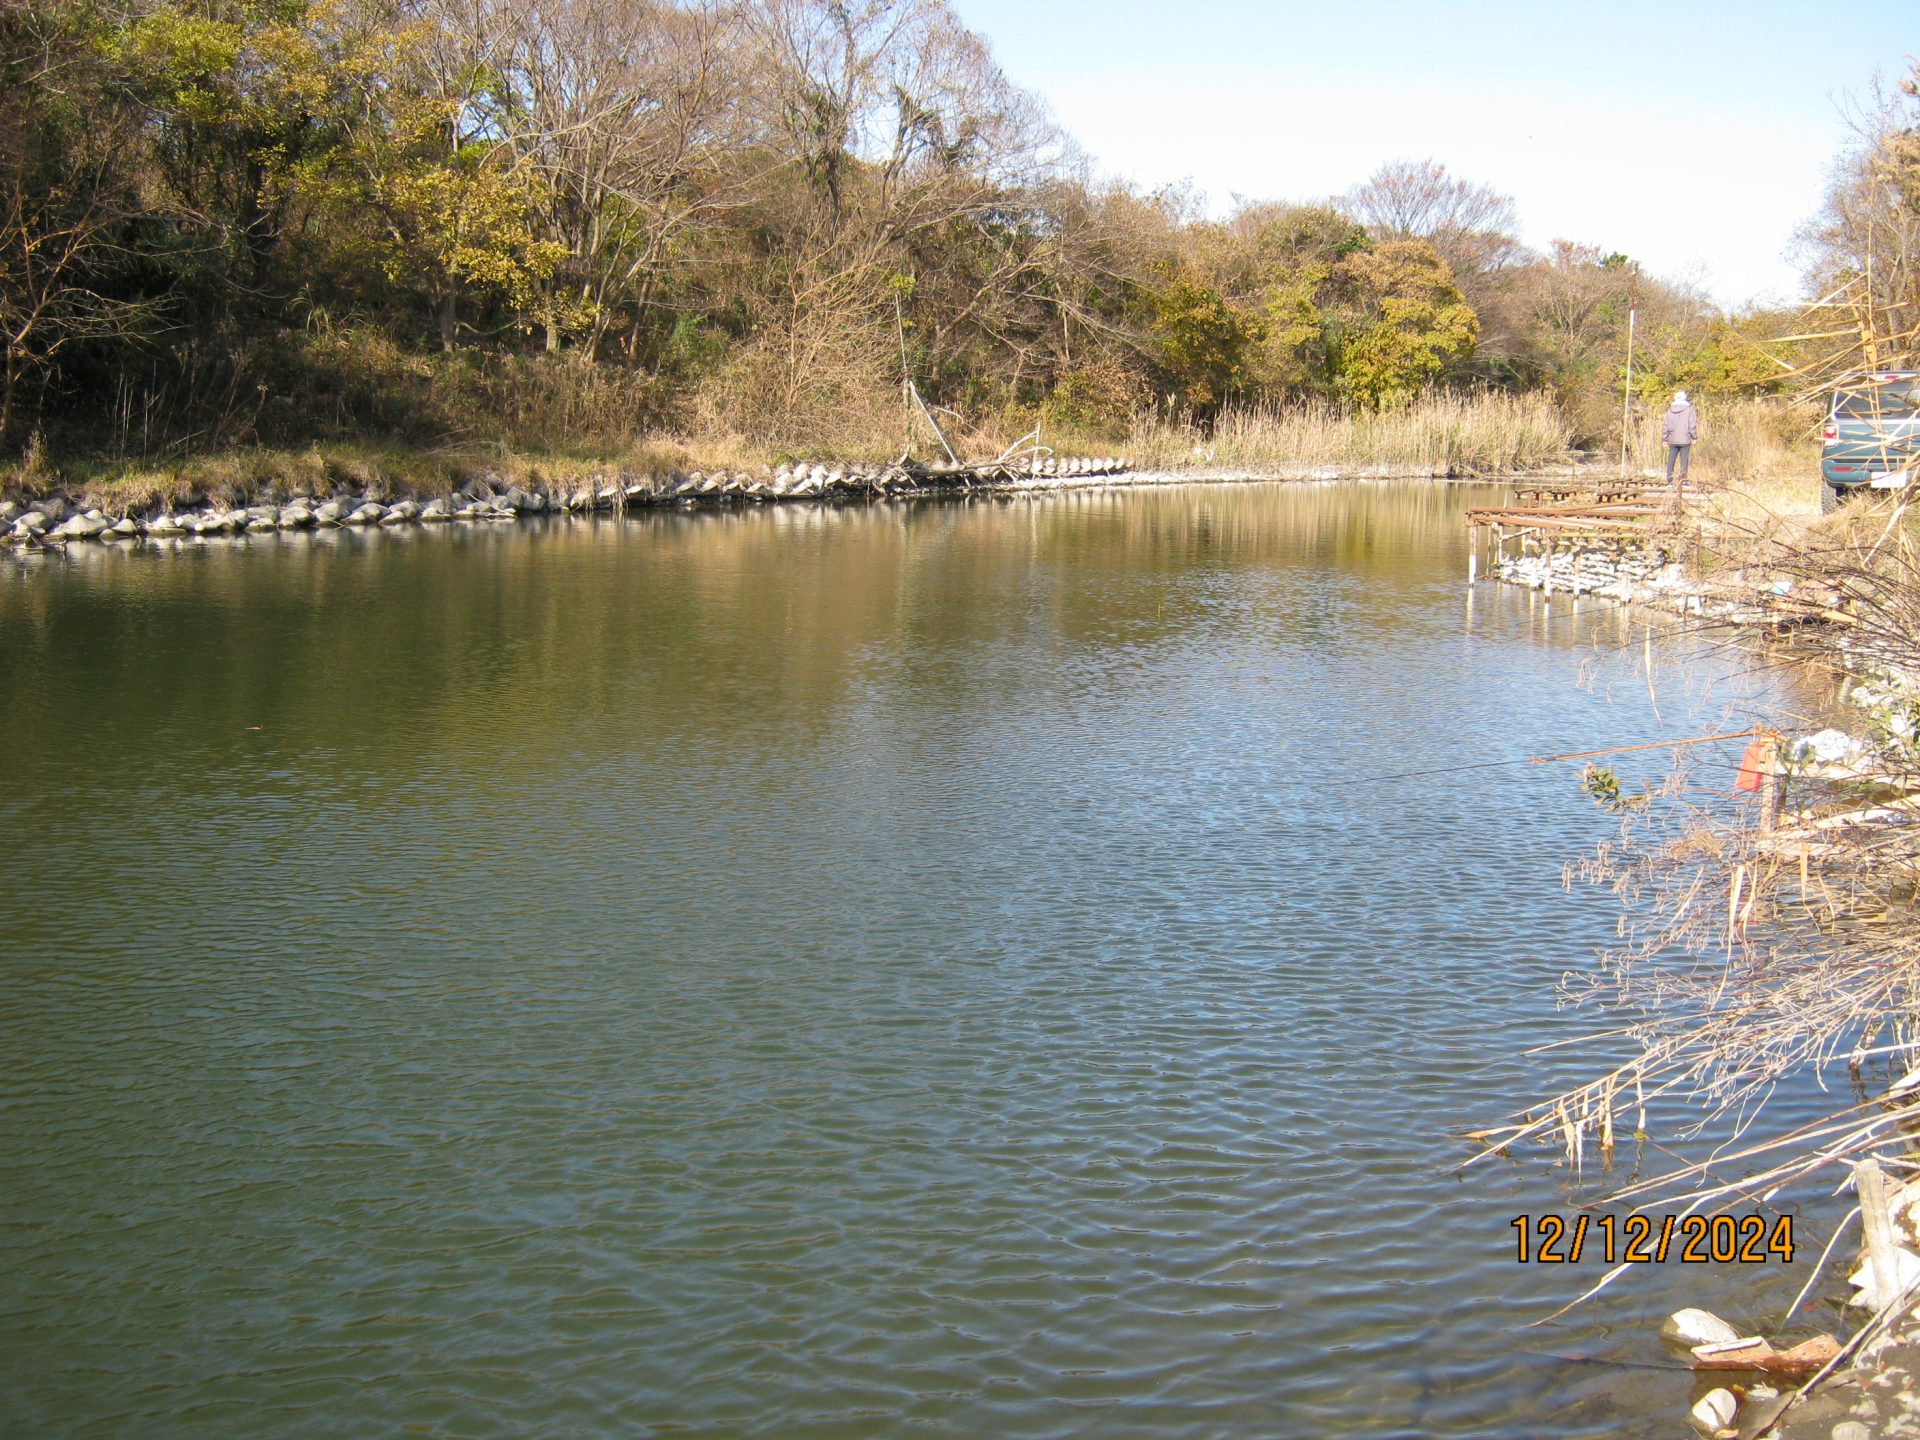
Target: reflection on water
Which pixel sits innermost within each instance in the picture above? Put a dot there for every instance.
(1004, 968)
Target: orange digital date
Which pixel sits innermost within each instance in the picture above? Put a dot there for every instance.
(1691, 1239)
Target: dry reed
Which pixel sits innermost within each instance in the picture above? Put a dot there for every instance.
(1751, 953)
(1440, 433)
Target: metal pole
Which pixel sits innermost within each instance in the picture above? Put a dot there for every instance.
(1626, 401)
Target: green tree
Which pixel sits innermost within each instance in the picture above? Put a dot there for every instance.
(1205, 344)
(239, 95)
(1406, 321)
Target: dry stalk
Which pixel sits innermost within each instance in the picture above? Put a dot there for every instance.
(1748, 957)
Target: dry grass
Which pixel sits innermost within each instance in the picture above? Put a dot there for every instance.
(1762, 457)
(1748, 956)
(325, 469)
(384, 472)
(1438, 434)
(545, 429)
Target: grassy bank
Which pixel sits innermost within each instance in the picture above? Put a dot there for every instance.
(1440, 434)
(385, 473)
(1761, 456)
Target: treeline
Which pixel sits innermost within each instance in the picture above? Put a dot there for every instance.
(571, 222)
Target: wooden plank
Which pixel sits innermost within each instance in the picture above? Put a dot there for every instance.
(1563, 512)
(1754, 1353)
(1599, 524)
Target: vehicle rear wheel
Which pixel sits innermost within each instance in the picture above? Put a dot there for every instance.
(1829, 498)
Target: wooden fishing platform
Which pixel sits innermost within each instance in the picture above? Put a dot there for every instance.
(1564, 517)
(1599, 492)
(1599, 506)
(1577, 514)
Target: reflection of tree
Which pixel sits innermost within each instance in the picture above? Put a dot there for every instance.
(640, 633)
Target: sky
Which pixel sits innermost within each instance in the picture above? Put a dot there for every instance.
(1694, 137)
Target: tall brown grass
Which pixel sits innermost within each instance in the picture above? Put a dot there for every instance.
(349, 410)
(385, 473)
(1761, 457)
(1437, 434)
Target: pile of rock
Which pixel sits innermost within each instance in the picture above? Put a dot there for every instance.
(56, 520)
(1643, 573)
(1616, 570)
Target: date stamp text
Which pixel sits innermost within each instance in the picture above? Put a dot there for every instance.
(1637, 1239)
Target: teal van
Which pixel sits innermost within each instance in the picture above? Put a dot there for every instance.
(1872, 431)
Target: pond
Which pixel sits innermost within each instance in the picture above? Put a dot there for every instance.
(1008, 968)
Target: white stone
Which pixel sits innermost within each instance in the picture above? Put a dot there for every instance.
(1874, 1294)
(1713, 1412)
(1697, 1327)
(1830, 747)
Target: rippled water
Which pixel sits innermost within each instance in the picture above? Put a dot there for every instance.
(929, 969)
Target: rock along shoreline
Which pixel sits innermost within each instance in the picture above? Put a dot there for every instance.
(1649, 571)
(59, 518)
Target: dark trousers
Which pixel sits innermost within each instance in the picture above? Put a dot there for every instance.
(1677, 452)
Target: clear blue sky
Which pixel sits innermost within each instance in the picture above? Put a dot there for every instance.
(1693, 136)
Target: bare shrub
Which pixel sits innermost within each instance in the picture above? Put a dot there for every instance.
(823, 381)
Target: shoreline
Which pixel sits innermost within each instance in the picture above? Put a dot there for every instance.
(1876, 1392)
(1651, 570)
(56, 517)
(1649, 574)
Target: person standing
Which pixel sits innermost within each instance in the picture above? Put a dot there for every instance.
(1680, 429)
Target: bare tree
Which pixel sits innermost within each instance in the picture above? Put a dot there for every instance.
(627, 110)
(64, 199)
(1472, 227)
(911, 166)
(1862, 251)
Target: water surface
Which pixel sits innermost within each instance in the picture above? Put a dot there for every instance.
(1009, 969)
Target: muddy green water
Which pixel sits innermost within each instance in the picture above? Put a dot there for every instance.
(945, 969)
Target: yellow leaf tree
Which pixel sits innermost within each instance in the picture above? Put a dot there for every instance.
(1405, 321)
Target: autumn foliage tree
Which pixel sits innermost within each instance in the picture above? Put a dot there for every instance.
(749, 215)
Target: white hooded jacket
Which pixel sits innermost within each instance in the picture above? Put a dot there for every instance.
(1681, 426)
